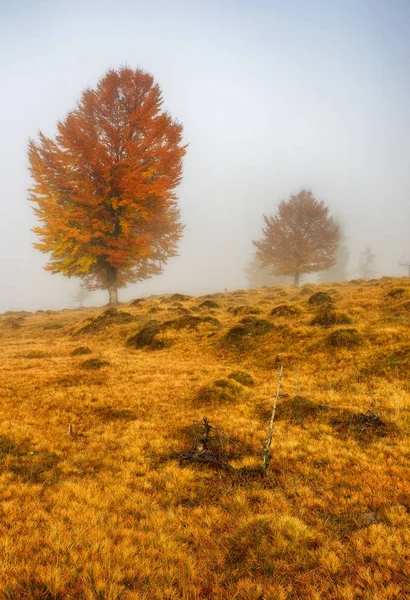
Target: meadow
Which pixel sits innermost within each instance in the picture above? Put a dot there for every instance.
(102, 495)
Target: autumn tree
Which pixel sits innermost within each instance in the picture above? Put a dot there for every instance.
(104, 186)
(300, 238)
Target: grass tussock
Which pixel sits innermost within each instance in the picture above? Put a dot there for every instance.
(242, 377)
(107, 490)
(286, 310)
(330, 318)
(319, 298)
(107, 319)
(248, 328)
(146, 337)
(221, 391)
(245, 310)
(93, 364)
(344, 338)
(397, 292)
(190, 322)
(212, 304)
(81, 351)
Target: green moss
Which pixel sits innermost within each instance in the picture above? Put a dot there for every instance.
(242, 377)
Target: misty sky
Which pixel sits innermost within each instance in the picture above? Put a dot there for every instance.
(273, 95)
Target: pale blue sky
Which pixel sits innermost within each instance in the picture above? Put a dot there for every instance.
(273, 96)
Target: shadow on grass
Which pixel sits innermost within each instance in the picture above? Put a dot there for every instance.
(30, 466)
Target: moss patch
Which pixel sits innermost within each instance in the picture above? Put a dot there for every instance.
(242, 377)
(220, 391)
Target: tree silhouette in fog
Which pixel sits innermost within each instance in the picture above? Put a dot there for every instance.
(367, 264)
(300, 238)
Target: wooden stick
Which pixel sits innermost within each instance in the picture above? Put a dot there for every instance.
(266, 449)
(203, 441)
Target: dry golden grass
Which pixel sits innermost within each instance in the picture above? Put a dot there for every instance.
(110, 513)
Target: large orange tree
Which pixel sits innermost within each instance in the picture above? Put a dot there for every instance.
(104, 187)
(301, 237)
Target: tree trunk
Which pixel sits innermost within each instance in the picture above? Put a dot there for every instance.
(297, 278)
(112, 286)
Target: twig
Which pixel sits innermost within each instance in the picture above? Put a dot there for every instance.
(200, 451)
(204, 439)
(266, 449)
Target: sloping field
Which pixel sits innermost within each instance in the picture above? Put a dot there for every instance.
(101, 427)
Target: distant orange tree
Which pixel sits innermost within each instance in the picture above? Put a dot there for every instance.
(104, 187)
(301, 238)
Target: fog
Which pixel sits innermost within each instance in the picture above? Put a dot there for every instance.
(273, 96)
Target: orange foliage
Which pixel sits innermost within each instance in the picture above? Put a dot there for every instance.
(300, 238)
(104, 187)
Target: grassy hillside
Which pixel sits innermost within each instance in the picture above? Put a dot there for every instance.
(115, 510)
